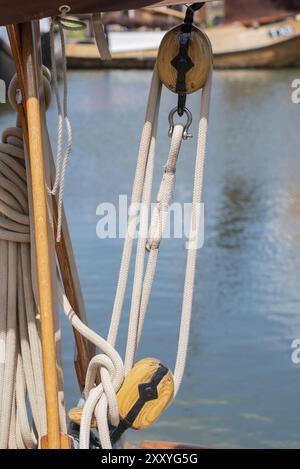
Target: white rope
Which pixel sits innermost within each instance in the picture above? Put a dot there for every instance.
(193, 237)
(101, 399)
(68, 24)
(158, 224)
(21, 370)
(157, 229)
(142, 284)
(20, 349)
(147, 143)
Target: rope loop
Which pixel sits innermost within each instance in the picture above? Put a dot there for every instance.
(101, 399)
(70, 24)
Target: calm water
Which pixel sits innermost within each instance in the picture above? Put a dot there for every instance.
(240, 388)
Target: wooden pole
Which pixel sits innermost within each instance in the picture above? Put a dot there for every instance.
(64, 251)
(68, 268)
(41, 235)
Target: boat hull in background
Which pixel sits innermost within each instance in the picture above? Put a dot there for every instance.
(256, 46)
(284, 54)
(234, 46)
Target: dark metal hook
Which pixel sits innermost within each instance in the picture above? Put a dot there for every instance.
(182, 62)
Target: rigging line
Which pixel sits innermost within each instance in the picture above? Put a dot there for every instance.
(69, 24)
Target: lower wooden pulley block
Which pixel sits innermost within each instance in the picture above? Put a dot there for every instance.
(145, 393)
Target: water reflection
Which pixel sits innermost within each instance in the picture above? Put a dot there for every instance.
(240, 388)
(237, 211)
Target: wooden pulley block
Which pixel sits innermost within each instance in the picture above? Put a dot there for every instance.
(199, 52)
(145, 393)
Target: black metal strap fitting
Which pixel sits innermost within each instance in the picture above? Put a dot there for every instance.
(147, 392)
(182, 62)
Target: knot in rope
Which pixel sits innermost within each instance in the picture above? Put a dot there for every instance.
(100, 398)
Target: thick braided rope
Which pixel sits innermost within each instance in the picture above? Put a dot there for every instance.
(157, 229)
(193, 237)
(147, 142)
(22, 396)
(100, 399)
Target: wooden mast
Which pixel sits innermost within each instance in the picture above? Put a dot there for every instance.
(25, 59)
(41, 235)
(64, 249)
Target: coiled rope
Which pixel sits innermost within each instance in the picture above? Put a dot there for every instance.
(22, 397)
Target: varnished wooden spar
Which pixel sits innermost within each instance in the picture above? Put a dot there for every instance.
(26, 67)
(64, 250)
(41, 235)
(68, 269)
